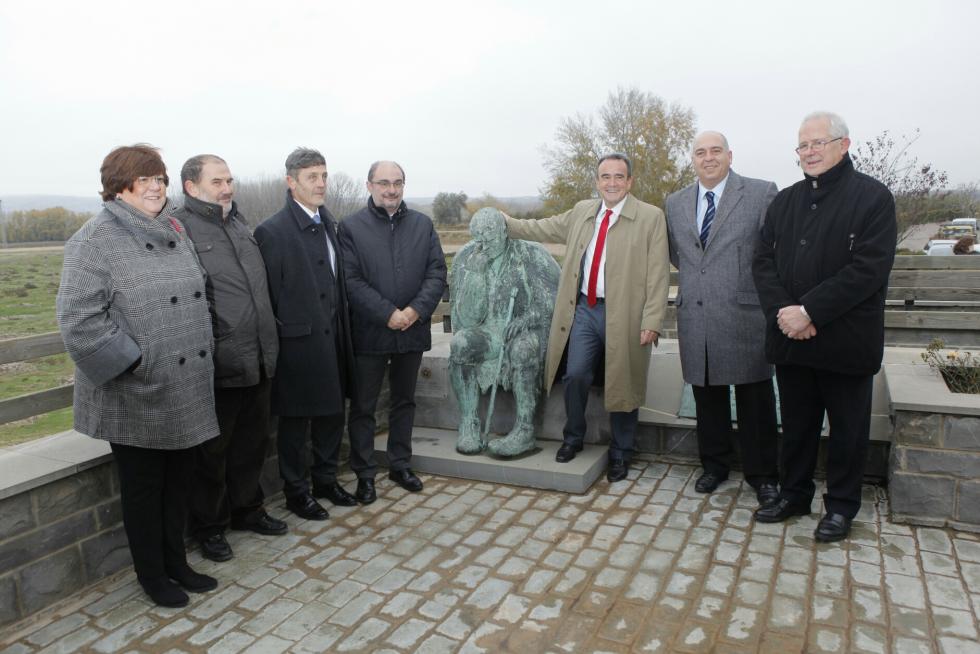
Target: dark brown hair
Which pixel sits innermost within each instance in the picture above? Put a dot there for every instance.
(123, 165)
(964, 245)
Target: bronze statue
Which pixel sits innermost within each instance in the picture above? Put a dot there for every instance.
(502, 292)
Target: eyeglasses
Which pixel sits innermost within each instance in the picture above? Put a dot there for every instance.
(816, 146)
(146, 181)
(386, 184)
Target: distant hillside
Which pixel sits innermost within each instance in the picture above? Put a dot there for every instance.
(71, 202)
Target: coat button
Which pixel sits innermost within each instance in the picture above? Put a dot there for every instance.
(182, 360)
(813, 206)
(197, 293)
(323, 295)
(149, 246)
(171, 245)
(326, 331)
(802, 241)
(699, 302)
(173, 300)
(202, 353)
(703, 271)
(320, 262)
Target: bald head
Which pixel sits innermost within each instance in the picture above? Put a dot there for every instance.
(711, 157)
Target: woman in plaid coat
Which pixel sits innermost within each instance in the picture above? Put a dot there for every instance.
(134, 318)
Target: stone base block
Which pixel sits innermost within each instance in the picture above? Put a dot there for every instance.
(434, 451)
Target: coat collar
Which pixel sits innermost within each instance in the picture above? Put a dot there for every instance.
(628, 211)
(380, 212)
(209, 210)
(300, 217)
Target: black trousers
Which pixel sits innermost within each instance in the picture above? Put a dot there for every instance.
(325, 435)
(153, 489)
(804, 395)
(226, 479)
(756, 406)
(403, 370)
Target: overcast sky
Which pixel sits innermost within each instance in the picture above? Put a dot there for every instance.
(465, 94)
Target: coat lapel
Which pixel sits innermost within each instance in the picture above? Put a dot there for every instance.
(729, 200)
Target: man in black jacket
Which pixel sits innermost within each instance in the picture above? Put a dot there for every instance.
(226, 484)
(306, 283)
(821, 270)
(395, 272)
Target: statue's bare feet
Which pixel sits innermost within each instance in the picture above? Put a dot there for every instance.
(518, 441)
(469, 441)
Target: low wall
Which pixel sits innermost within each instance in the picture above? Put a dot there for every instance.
(935, 461)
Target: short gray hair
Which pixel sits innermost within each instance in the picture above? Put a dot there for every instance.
(838, 128)
(617, 156)
(191, 171)
(301, 158)
(375, 165)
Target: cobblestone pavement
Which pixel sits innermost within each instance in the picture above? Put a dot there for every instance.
(643, 565)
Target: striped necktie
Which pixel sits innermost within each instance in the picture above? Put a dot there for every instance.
(709, 215)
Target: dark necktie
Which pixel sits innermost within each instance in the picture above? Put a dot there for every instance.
(709, 215)
(600, 241)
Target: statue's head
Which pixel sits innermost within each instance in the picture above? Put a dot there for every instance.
(489, 230)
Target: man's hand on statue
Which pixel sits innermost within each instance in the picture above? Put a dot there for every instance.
(648, 336)
(791, 320)
(411, 317)
(515, 327)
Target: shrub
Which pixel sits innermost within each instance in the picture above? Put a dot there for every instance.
(960, 370)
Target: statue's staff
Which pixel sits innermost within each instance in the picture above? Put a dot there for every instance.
(500, 364)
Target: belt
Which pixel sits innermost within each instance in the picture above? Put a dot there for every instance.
(585, 298)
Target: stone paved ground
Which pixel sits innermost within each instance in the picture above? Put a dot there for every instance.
(644, 565)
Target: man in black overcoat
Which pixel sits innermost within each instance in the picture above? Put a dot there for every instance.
(821, 269)
(315, 365)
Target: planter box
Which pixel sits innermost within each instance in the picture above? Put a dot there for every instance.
(934, 469)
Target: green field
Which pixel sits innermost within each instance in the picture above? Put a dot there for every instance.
(28, 284)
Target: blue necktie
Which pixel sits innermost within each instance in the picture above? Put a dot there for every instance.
(709, 215)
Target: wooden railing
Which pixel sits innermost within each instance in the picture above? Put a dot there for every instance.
(926, 295)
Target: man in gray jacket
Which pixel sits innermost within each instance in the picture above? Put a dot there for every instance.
(713, 228)
(226, 487)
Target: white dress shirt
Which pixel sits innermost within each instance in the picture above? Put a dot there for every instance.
(703, 201)
(600, 287)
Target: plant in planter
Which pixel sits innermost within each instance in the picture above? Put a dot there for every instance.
(960, 370)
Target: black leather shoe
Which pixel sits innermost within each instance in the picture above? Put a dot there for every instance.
(191, 581)
(306, 507)
(164, 592)
(261, 523)
(832, 527)
(406, 479)
(780, 510)
(365, 493)
(767, 494)
(566, 453)
(708, 482)
(335, 493)
(617, 470)
(216, 548)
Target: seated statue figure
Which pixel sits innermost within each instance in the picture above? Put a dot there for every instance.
(502, 293)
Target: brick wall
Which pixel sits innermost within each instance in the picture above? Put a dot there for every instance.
(935, 470)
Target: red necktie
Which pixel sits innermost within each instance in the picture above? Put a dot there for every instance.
(600, 241)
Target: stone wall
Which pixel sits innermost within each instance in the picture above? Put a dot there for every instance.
(935, 470)
(58, 538)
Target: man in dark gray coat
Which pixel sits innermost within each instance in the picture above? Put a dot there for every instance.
(306, 283)
(396, 273)
(713, 226)
(226, 482)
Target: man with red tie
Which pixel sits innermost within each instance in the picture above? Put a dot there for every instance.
(611, 301)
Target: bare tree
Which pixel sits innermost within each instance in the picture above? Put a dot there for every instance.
(918, 188)
(259, 198)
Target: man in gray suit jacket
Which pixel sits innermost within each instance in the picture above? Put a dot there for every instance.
(713, 226)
